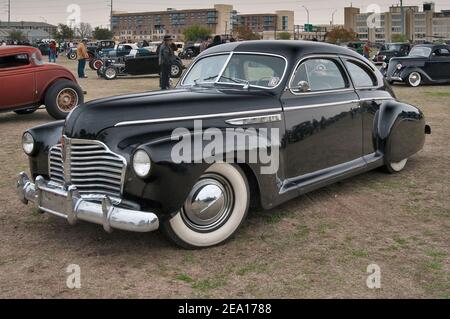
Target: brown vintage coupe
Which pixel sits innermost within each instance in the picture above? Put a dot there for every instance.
(26, 83)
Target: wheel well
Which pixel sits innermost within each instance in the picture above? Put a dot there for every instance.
(255, 194)
(44, 94)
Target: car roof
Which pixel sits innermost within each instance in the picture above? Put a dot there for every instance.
(286, 48)
(11, 49)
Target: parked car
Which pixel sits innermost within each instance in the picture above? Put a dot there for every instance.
(425, 64)
(27, 83)
(190, 52)
(116, 54)
(112, 162)
(139, 62)
(391, 50)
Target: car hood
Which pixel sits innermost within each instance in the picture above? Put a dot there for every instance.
(87, 121)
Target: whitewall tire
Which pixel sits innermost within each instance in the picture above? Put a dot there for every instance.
(214, 210)
(396, 167)
(414, 79)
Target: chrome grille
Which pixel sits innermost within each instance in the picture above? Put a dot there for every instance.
(94, 169)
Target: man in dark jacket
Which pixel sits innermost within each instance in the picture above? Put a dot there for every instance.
(166, 57)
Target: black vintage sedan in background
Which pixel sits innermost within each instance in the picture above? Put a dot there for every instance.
(112, 161)
(425, 64)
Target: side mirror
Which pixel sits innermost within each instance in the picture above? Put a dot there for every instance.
(302, 87)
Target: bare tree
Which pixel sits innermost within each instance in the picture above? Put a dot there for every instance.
(84, 30)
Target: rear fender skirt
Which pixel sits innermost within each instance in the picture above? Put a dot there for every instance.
(400, 130)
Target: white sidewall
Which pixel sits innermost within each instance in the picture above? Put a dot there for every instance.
(240, 208)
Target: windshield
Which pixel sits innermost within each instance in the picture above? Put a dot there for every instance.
(391, 47)
(255, 70)
(420, 51)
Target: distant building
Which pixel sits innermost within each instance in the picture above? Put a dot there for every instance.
(419, 26)
(221, 20)
(33, 31)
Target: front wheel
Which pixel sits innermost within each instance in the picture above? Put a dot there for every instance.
(62, 97)
(110, 73)
(414, 79)
(214, 210)
(72, 56)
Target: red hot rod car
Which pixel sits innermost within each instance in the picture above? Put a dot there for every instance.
(26, 83)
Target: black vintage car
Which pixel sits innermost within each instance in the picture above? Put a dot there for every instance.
(425, 64)
(391, 50)
(311, 113)
(139, 62)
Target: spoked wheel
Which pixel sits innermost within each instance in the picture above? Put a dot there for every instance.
(396, 167)
(215, 208)
(62, 97)
(414, 79)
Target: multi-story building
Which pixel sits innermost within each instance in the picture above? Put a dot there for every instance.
(418, 26)
(221, 20)
(152, 26)
(33, 31)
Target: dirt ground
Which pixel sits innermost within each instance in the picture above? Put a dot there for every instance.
(316, 246)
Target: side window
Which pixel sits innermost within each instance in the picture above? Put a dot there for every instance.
(442, 52)
(12, 61)
(361, 76)
(320, 75)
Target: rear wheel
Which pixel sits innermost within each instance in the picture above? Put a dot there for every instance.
(26, 111)
(175, 70)
(414, 79)
(214, 210)
(394, 168)
(62, 97)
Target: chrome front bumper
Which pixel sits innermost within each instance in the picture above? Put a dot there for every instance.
(67, 203)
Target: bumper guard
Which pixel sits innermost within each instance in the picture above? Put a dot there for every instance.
(67, 203)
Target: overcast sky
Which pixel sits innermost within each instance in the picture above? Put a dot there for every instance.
(96, 12)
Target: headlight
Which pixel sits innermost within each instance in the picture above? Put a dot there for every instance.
(385, 65)
(399, 66)
(383, 57)
(142, 163)
(27, 143)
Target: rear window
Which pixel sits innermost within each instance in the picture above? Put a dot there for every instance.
(12, 61)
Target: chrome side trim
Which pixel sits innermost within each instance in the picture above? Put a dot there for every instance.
(292, 108)
(311, 106)
(255, 120)
(196, 117)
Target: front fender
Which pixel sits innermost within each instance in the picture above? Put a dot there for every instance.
(400, 130)
(408, 70)
(45, 136)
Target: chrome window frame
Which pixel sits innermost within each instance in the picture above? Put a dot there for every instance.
(230, 55)
(368, 66)
(334, 57)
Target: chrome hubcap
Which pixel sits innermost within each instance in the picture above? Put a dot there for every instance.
(209, 204)
(175, 69)
(110, 73)
(414, 78)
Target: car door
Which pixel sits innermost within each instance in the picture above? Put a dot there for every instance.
(323, 120)
(438, 66)
(371, 92)
(17, 80)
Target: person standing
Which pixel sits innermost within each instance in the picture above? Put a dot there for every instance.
(82, 56)
(166, 57)
(366, 50)
(52, 52)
